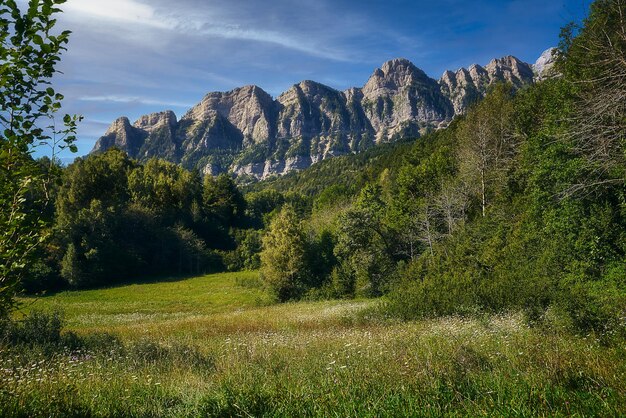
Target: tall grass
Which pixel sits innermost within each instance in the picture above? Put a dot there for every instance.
(314, 359)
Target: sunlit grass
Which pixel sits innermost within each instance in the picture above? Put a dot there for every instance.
(215, 349)
(152, 302)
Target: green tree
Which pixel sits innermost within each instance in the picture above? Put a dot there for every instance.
(259, 204)
(91, 210)
(29, 53)
(102, 177)
(424, 199)
(285, 256)
(593, 60)
(487, 145)
(222, 199)
(95, 254)
(246, 255)
(364, 246)
(169, 191)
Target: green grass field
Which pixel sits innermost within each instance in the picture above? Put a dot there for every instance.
(216, 346)
(154, 303)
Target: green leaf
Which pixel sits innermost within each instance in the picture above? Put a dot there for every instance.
(37, 40)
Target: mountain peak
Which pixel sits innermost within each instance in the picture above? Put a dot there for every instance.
(469, 85)
(119, 123)
(307, 85)
(475, 68)
(149, 122)
(395, 64)
(544, 67)
(507, 59)
(121, 134)
(394, 75)
(308, 88)
(246, 131)
(248, 89)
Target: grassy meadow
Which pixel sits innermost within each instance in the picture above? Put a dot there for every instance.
(216, 346)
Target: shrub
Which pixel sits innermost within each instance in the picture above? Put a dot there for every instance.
(38, 329)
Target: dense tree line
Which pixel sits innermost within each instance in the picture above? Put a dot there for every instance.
(115, 219)
(112, 219)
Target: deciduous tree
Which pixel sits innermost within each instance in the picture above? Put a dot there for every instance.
(285, 256)
(29, 53)
(595, 62)
(487, 144)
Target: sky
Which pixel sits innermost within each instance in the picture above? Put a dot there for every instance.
(133, 57)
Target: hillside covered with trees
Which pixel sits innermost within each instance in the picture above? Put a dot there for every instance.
(517, 205)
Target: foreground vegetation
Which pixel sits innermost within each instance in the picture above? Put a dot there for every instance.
(500, 241)
(219, 353)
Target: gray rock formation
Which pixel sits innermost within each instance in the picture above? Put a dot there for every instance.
(469, 85)
(121, 134)
(150, 136)
(400, 100)
(246, 132)
(544, 67)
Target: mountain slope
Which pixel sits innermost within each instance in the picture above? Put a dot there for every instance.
(246, 132)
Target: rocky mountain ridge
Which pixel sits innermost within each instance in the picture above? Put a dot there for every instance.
(247, 132)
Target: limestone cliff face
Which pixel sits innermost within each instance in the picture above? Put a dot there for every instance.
(544, 68)
(248, 109)
(469, 85)
(319, 121)
(246, 132)
(511, 70)
(121, 134)
(159, 133)
(399, 99)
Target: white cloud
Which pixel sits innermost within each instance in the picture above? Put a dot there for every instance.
(276, 38)
(189, 22)
(135, 100)
(128, 11)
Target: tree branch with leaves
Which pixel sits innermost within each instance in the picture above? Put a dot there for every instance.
(30, 50)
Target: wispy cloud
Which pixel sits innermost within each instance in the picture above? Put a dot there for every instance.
(134, 100)
(276, 38)
(187, 23)
(126, 11)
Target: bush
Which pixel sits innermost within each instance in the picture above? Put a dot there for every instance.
(38, 329)
(43, 331)
(598, 306)
(285, 259)
(42, 276)
(246, 256)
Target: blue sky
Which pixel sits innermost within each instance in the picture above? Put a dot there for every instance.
(132, 57)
